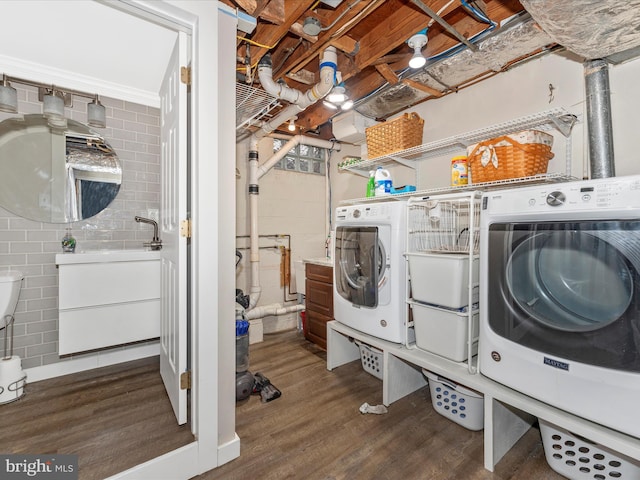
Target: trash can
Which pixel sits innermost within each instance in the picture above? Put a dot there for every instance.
(242, 346)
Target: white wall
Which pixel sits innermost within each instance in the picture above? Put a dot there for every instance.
(522, 91)
(297, 204)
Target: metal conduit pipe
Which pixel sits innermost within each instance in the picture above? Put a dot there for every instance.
(599, 125)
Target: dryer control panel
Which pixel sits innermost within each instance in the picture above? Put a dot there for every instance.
(588, 195)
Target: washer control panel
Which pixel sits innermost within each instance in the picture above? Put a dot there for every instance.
(370, 212)
(587, 195)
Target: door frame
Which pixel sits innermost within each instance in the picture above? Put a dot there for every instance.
(212, 213)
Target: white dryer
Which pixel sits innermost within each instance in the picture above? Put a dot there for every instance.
(370, 270)
(560, 296)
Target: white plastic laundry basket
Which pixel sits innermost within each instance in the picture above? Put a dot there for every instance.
(580, 459)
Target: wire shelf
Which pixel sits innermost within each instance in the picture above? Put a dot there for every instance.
(497, 184)
(557, 118)
(252, 104)
(444, 223)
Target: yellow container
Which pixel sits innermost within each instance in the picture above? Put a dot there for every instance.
(459, 171)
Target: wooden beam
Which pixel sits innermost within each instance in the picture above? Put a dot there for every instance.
(248, 6)
(270, 35)
(422, 88)
(274, 12)
(388, 74)
(346, 44)
(349, 20)
(393, 32)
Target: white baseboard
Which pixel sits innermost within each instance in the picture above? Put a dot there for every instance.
(97, 360)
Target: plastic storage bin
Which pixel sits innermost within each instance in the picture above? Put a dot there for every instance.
(444, 332)
(372, 361)
(442, 279)
(456, 402)
(580, 459)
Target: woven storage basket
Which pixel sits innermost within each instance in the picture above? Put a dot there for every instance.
(518, 155)
(395, 135)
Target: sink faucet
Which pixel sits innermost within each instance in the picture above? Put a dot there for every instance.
(156, 243)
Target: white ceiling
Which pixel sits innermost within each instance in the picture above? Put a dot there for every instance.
(85, 45)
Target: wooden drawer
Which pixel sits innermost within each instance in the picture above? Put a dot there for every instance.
(319, 297)
(320, 273)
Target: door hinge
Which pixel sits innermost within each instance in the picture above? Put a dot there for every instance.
(185, 380)
(185, 228)
(185, 75)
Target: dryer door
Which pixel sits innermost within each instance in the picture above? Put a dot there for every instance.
(360, 261)
(568, 289)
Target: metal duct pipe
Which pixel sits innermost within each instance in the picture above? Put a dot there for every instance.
(599, 125)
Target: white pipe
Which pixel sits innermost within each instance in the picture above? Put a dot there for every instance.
(273, 309)
(298, 100)
(328, 69)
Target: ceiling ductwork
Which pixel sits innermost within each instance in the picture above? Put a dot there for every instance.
(590, 28)
(450, 73)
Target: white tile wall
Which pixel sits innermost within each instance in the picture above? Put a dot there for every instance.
(134, 132)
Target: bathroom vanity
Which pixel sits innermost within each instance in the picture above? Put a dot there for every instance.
(107, 298)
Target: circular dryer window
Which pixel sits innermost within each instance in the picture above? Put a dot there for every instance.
(570, 280)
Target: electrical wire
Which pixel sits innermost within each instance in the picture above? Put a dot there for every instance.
(476, 12)
(248, 40)
(340, 16)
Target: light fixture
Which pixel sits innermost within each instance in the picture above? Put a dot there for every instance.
(337, 98)
(96, 113)
(8, 97)
(337, 95)
(347, 105)
(292, 124)
(417, 42)
(54, 100)
(53, 104)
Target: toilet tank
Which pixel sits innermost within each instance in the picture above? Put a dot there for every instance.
(10, 283)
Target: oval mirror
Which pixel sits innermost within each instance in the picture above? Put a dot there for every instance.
(55, 170)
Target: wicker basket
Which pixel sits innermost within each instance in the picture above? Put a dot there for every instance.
(513, 156)
(395, 135)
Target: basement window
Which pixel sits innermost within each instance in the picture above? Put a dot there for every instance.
(302, 158)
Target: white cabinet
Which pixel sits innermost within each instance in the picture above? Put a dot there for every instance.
(107, 299)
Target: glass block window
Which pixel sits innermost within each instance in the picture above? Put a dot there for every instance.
(302, 158)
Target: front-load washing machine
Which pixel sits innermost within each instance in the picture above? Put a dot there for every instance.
(370, 270)
(560, 296)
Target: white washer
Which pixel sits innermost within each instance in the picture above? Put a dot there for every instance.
(370, 270)
(560, 296)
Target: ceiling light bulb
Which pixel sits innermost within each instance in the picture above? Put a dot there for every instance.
(329, 105)
(8, 97)
(417, 61)
(417, 42)
(337, 95)
(292, 125)
(347, 105)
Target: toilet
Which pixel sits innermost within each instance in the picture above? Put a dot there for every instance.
(12, 377)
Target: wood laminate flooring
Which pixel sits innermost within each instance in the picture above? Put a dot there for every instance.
(315, 430)
(116, 417)
(113, 418)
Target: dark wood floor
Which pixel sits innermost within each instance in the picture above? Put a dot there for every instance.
(116, 417)
(315, 431)
(113, 418)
